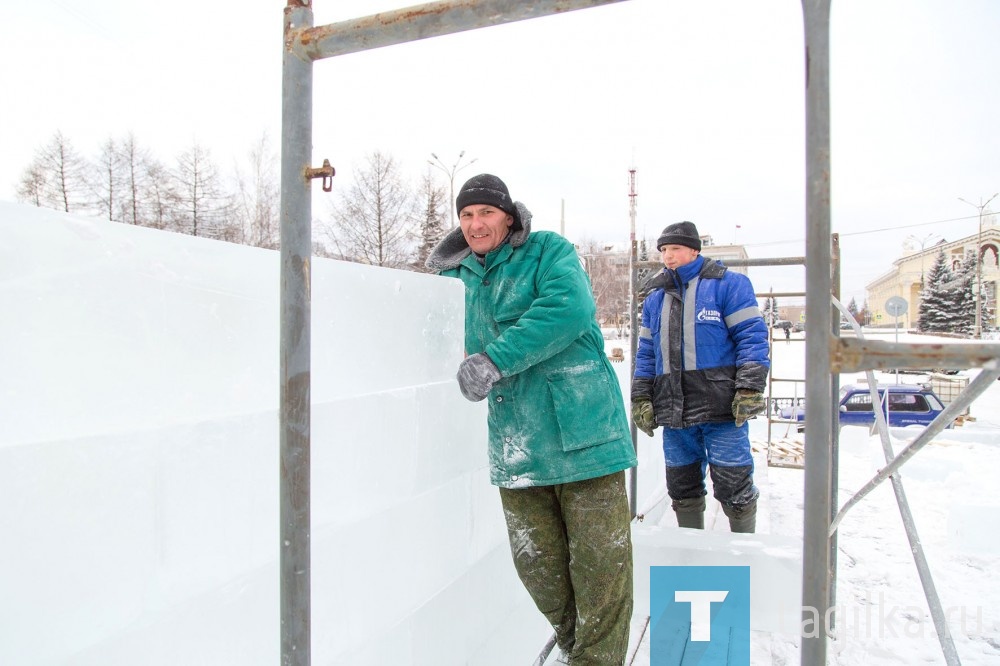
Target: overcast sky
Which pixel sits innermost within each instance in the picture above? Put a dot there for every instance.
(704, 98)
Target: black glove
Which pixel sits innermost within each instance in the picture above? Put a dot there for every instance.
(642, 415)
(747, 403)
(476, 376)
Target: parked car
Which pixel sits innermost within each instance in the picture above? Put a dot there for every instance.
(799, 326)
(909, 404)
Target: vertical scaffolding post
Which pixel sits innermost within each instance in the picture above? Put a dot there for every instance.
(633, 302)
(819, 426)
(295, 372)
(834, 427)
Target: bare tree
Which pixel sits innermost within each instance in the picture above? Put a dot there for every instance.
(257, 198)
(432, 225)
(139, 189)
(200, 207)
(57, 177)
(157, 196)
(32, 185)
(374, 221)
(608, 271)
(108, 181)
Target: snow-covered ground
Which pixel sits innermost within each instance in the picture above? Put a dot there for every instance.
(952, 491)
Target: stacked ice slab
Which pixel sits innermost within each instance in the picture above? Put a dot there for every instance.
(139, 459)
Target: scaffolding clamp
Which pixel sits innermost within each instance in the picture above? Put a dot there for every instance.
(326, 172)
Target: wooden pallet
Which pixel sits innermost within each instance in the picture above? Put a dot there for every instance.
(782, 452)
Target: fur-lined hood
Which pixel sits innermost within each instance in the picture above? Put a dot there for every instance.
(453, 248)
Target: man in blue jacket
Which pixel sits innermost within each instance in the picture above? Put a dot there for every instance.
(700, 371)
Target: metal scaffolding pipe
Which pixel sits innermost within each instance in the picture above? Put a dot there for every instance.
(913, 537)
(819, 426)
(735, 262)
(849, 355)
(295, 370)
(304, 44)
(983, 381)
(909, 524)
(433, 19)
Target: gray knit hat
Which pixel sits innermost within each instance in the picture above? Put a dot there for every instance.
(680, 233)
(490, 190)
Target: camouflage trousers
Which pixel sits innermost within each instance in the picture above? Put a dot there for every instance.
(572, 548)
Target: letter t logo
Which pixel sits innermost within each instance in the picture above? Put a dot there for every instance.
(701, 610)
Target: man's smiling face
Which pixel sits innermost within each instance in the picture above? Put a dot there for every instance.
(484, 226)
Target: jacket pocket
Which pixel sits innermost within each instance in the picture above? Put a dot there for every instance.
(585, 409)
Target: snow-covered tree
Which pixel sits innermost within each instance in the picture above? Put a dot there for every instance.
(964, 295)
(937, 300)
(770, 310)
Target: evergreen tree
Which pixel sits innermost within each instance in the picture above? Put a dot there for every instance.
(770, 310)
(432, 228)
(852, 307)
(965, 296)
(936, 301)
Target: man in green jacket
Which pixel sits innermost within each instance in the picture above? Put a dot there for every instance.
(559, 440)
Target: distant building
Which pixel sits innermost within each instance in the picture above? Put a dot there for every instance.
(907, 275)
(724, 252)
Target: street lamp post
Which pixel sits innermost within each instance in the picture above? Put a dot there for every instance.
(978, 333)
(923, 244)
(455, 168)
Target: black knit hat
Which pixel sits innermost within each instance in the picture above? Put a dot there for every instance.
(490, 190)
(680, 233)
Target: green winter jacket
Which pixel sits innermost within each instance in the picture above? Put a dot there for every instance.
(557, 414)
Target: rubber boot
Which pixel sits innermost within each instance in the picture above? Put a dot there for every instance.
(690, 512)
(742, 519)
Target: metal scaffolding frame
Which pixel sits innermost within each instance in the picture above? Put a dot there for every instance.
(826, 354)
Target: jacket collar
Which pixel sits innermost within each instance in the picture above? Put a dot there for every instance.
(668, 279)
(453, 248)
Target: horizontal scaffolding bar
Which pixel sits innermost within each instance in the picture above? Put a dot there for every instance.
(854, 355)
(433, 19)
(730, 261)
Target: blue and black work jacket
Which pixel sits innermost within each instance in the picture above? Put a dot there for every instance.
(702, 338)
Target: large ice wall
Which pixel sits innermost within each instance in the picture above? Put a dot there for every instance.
(139, 459)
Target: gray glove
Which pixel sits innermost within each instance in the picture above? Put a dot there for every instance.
(476, 376)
